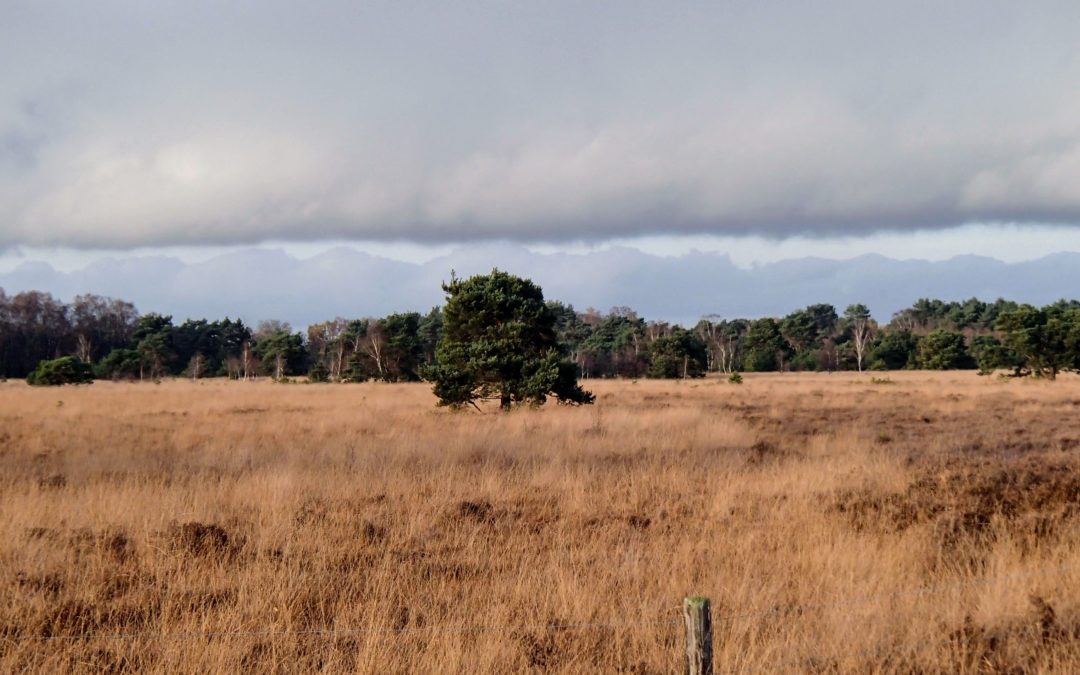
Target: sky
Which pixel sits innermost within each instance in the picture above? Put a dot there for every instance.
(757, 131)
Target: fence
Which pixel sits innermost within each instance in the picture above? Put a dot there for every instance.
(697, 617)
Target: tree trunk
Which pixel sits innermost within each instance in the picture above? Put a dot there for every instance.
(338, 362)
(84, 348)
(376, 351)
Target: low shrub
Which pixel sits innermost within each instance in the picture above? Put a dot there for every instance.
(64, 370)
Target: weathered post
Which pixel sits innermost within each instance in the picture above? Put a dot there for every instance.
(698, 614)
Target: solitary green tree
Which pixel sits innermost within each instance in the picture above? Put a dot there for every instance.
(499, 343)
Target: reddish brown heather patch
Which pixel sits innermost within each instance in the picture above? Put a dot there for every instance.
(1031, 497)
(204, 540)
(49, 584)
(75, 618)
(480, 511)
(112, 544)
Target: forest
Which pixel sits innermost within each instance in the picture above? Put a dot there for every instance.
(113, 340)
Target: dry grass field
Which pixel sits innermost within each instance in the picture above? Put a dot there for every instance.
(925, 524)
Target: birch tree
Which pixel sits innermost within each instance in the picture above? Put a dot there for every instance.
(862, 329)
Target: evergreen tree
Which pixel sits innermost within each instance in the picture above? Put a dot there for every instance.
(499, 343)
(943, 350)
(766, 348)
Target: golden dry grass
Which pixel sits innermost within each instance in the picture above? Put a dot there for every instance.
(923, 525)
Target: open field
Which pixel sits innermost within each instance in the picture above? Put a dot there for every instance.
(927, 524)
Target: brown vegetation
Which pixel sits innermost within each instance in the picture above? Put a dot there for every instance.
(838, 526)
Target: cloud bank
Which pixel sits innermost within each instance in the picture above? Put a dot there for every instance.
(346, 282)
(126, 124)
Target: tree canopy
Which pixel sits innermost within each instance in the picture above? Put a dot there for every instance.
(499, 342)
(64, 370)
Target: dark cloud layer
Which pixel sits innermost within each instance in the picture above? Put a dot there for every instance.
(276, 285)
(128, 124)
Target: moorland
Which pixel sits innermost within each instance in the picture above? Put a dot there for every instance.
(893, 523)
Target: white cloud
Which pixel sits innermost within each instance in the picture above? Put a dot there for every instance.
(140, 125)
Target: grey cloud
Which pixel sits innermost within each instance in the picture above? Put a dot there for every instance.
(345, 282)
(133, 124)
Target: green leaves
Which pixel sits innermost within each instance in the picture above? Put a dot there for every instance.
(64, 370)
(499, 342)
(1045, 341)
(943, 350)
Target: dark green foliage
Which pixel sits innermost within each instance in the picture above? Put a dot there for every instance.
(825, 318)
(572, 332)
(926, 315)
(429, 331)
(806, 341)
(281, 353)
(395, 348)
(569, 327)
(616, 346)
(154, 343)
(166, 349)
(895, 350)
(800, 330)
(499, 343)
(357, 369)
(990, 354)
(679, 355)
(765, 347)
(158, 348)
(119, 364)
(191, 338)
(318, 373)
(1072, 339)
(806, 359)
(64, 370)
(943, 350)
(404, 351)
(1042, 340)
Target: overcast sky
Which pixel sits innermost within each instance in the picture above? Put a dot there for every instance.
(821, 127)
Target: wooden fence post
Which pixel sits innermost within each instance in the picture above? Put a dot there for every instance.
(698, 614)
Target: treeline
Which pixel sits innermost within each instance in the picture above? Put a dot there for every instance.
(929, 335)
(118, 343)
